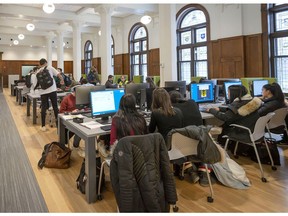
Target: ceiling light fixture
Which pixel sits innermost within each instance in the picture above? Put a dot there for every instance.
(30, 27)
(48, 8)
(99, 32)
(15, 42)
(64, 44)
(21, 36)
(146, 19)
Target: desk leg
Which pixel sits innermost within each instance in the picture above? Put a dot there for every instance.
(61, 131)
(90, 168)
(34, 110)
(28, 105)
(19, 96)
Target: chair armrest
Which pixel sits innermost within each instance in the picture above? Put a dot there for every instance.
(240, 126)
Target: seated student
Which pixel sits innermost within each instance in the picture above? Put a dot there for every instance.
(68, 104)
(126, 122)
(122, 82)
(109, 82)
(84, 82)
(242, 111)
(189, 108)
(150, 82)
(164, 116)
(272, 97)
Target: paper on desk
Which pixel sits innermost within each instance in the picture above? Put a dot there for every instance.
(91, 124)
(69, 117)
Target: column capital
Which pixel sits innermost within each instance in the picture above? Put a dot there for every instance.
(76, 24)
(104, 9)
(50, 35)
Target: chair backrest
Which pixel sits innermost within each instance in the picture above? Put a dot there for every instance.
(259, 128)
(182, 146)
(278, 119)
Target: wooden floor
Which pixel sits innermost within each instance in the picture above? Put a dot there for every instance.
(61, 195)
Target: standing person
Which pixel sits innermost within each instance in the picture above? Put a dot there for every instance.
(150, 82)
(48, 93)
(93, 76)
(68, 104)
(164, 116)
(109, 83)
(126, 122)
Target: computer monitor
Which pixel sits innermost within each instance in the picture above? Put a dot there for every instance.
(178, 85)
(226, 86)
(257, 86)
(82, 94)
(135, 89)
(105, 103)
(202, 92)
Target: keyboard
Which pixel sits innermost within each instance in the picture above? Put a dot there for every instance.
(203, 109)
(80, 112)
(106, 127)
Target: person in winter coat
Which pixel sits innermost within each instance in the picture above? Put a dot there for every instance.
(272, 97)
(242, 111)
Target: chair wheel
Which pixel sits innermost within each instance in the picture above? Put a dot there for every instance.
(99, 197)
(236, 156)
(181, 177)
(175, 208)
(274, 168)
(264, 179)
(210, 199)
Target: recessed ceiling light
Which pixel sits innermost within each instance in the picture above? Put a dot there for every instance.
(21, 36)
(146, 19)
(48, 8)
(30, 27)
(64, 44)
(15, 42)
(99, 32)
(31, 45)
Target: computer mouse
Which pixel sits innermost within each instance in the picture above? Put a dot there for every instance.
(66, 113)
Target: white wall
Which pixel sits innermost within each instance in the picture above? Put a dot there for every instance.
(28, 53)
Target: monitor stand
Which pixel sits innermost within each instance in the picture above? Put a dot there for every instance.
(104, 120)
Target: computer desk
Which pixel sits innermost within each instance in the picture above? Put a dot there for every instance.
(89, 136)
(34, 97)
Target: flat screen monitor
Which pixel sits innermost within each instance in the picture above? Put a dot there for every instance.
(82, 94)
(202, 92)
(178, 85)
(257, 86)
(135, 89)
(105, 103)
(226, 86)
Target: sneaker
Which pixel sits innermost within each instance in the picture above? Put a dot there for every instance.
(102, 149)
(203, 181)
(43, 129)
(194, 177)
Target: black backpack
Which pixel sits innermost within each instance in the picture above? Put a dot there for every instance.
(28, 80)
(44, 79)
(67, 80)
(82, 178)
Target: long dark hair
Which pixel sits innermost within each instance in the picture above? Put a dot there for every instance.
(275, 90)
(161, 102)
(237, 91)
(127, 119)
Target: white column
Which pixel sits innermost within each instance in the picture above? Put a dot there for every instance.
(105, 43)
(76, 50)
(60, 50)
(167, 42)
(49, 39)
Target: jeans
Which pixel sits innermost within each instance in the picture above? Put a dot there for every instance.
(45, 105)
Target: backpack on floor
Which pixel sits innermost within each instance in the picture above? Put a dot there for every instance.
(55, 155)
(44, 79)
(82, 178)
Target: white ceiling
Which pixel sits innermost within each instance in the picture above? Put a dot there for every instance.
(15, 17)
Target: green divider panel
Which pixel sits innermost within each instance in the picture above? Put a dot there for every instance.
(117, 76)
(196, 79)
(247, 81)
(156, 79)
(138, 79)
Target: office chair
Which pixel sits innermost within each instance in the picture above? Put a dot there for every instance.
(184, 146)
(277, 123)
(256, 137)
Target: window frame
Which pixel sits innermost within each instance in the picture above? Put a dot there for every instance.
(88, 61)
(140, 53)
(182, 13)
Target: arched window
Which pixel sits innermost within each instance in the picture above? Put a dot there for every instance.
(192, 37)
(88, 56)
(112, 52)
(278, 35)
(138, 50)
